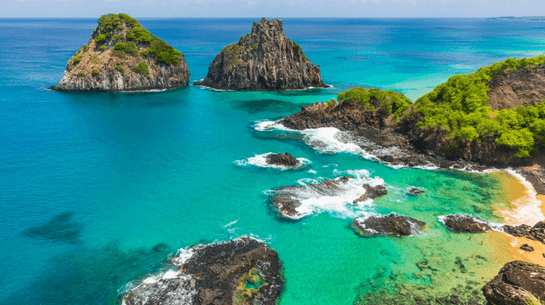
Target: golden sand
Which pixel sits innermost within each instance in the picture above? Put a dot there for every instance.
(521, 204)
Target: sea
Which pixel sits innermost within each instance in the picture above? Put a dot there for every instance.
(97, 190)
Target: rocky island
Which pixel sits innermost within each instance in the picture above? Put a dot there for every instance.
(264, 59)
(240, 271)
(390, 225)
(123, 56)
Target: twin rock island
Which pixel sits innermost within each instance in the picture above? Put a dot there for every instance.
(123, 56)
(493, 117)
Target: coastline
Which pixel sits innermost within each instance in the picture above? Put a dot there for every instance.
(524, 207)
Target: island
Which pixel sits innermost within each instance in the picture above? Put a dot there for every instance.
(264, 59)
(123, 56)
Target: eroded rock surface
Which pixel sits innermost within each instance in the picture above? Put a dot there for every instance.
(285, 159)
(265, 59)
(537, 232)
(518, 283)
(241, 271)
(462, 223)
(123, 56)
(394, 225)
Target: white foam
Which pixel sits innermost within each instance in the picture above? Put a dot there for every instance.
(312, 171)
(261, 161)
(493, 225)
(182, 256)
(339, 202)
(527, 209)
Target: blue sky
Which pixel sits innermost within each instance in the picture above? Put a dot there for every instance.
(273, 8)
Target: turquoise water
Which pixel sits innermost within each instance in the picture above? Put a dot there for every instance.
(91, 182)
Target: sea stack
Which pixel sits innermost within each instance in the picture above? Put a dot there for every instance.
(265, 59)
(123, 56)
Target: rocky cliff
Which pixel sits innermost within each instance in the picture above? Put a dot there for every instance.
(123, 56)
(265, 59)
(241, 271)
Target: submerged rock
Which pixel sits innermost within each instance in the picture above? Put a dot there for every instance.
(287, 200)
(518, 283)
(537, 232)
(394, 225)
(265, 59)
(415, 191)
(123, 56)
(462, 223)
(527, 247)
(285, 159)
(241, 271)
(372, 192)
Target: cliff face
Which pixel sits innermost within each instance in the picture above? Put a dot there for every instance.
(516, 88)
(123, 56)
(265, 59)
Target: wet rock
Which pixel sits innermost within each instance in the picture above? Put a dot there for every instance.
(265, 59)
(285, 159)
(537, 232)
(415, 192)
(462, 223)
(211, 274)
(287, 200)
(115, 59)
(374, 192)
(527, 248)
(394, 225)
(518, 283)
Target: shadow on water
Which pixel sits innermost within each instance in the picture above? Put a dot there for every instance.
(91, 275)
(60, 228)
(267, 105)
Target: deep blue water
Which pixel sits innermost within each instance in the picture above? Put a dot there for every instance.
(90, 182)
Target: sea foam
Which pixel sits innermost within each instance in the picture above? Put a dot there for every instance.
(261, 161)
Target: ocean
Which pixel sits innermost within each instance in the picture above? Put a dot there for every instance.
(98, 189)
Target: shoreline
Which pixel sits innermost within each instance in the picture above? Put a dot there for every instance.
(524, 207)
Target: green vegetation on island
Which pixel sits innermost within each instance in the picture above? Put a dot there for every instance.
(395, 103)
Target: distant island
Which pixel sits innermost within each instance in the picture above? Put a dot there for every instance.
(264, 59)
(123, 56)
(519, 18)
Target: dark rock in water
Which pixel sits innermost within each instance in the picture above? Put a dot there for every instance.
(283, 160)
(265, 59)
(287, 199)
(462, 223)
(527, 247)
(123, 56)
(395, 225)
(60, 228)
(374, 192)
(537, 232)
(211, 274)
(161, 247)
(415, 192)
(518, 283)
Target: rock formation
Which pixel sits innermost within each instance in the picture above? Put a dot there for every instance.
(241, 271)
(518, 283)
(123, 56)
(371, 192)
(394, 225)
(537, 232)
(285, 159)
(265, 59)
(415, 192)
(462, 223)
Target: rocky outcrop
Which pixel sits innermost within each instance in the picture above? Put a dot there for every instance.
(537, 232)
(241, 271)
(374, 192)
(462, 223)
(516, 88)
(288, 200)
(527, 247)
(123, 56)
(518, 283)
(393, 225)
(285, 159)
(415, 191)
(265, 59)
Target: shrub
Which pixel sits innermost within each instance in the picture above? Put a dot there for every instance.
(85, 48)
(77, 59)
(131, 48)
(331, 103)
(100, 38)
(81, 74)
(119, 68)
(119, 46)
(255, 46)
(142, 67)
(120, 27)
(102, 48)
(394, 103)
(95, 72)
(120, 54)
(95, 59)
(145, 52)
(117, 37)
(162, 52)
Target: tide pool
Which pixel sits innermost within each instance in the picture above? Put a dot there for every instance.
(98, 189)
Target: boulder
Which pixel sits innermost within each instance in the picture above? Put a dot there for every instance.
(527, 248)
(393, 225)
(518, 283)
(241, 271)
(537, 232)
(415, 192)
(285, 159)
(264, 59)
(462, 223)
